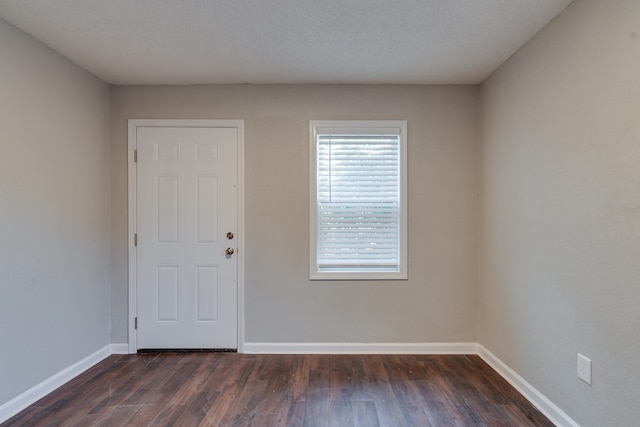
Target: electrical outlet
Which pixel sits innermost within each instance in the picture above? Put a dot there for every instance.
(584, 368)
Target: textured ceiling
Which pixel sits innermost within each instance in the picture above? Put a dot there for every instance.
(284, 41)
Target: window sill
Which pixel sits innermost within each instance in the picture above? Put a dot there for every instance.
(344, 276)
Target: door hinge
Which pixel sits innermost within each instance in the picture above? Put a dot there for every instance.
(135, 156)
(135, 239)
(135, 326)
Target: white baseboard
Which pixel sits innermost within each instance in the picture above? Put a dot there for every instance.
(359, 348)
(537, 399)
(122, 348)
(37, 392)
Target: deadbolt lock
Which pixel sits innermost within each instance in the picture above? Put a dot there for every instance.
(229, 235)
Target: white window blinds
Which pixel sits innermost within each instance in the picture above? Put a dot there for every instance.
(358, 200)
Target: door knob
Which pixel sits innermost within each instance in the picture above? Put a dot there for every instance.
(229, 251)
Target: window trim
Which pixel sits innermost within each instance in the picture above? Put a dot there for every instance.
(351, 126)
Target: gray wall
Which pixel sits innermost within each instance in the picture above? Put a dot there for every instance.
(437, 304)
(560, 216)
(54, 213)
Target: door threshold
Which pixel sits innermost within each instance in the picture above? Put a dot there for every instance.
(188, 350)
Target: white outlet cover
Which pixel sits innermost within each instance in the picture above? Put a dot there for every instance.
(584, 368)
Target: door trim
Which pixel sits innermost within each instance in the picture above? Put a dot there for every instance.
(132, 197)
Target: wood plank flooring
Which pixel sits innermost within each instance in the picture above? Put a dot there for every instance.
(230, 389)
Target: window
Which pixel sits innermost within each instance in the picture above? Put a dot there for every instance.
(358, 200)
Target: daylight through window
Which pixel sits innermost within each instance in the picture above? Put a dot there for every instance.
(358, 207)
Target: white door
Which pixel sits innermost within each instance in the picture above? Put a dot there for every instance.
(186, 223)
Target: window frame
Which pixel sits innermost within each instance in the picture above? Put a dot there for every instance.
(353, 126)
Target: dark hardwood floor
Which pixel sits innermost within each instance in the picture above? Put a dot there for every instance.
(230, 389)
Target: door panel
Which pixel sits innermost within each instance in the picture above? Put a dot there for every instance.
(186, 204)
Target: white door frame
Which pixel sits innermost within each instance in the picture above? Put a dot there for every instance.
(132, 144)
